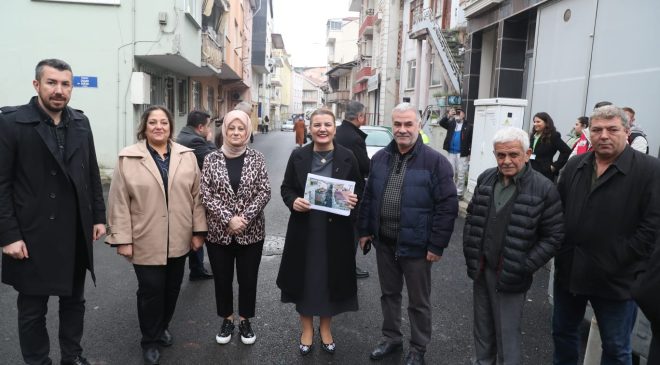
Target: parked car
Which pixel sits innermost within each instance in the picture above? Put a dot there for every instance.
(287, 126)
(377, 138)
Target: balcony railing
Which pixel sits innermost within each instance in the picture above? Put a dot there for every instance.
(339, 96)
(367, 26)
(363, 74)
(211, 52)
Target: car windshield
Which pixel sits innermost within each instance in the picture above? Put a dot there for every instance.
(378, 138)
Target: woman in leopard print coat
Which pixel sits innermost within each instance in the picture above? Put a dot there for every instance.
(235, 189)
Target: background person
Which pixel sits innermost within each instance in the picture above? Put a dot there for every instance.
(545, 142)
(458, 144)
(350, 136)
(299, 129)
(582, 143)
(197, 134)
(235, 190)
(51, 211)
(637, 138)
(156, 178)
(317, 271)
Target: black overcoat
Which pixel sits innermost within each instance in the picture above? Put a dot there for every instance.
(341, 238)
(46, 203)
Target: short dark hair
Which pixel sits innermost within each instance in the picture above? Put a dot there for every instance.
(142, 128)
(584, 121)
(629, 110)
(197, 118)
(354, 109)
(602, 103)
(50, 62)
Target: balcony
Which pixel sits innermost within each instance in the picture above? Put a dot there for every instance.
(211, 53)
(420, 21)
(340, 96)
(367, 27)
(473, 8)
(275, 80)
(359, 87)
(363, 74)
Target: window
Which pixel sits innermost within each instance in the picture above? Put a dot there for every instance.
(193, 10)
(169, 93)
(157, 90)
(436, 70)
(210, 100)
(334, 25)
(197, 95)
(412, 70)
(182, 94)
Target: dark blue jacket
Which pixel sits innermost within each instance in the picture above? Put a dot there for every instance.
(428, 200)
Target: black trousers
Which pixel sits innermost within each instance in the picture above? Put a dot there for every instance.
(247, 259)
(158, 291)
(654, 349)
(32, 333)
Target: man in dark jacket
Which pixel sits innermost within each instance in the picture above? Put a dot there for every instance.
(611, 199)
(350, 136)
(51, 210)
(458, 144)
(411, 225)
(513, 227)
(197, 135)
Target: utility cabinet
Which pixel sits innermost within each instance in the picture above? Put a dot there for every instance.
(490, 115)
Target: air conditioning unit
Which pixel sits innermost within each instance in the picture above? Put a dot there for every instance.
(140, 88)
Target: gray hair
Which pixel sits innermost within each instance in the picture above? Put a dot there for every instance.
(244, 106)
(512, 134)
(608, 112)
(405, 107)
(353, 110)
(50, 62)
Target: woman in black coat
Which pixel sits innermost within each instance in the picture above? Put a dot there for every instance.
(317, 271)
(545, 141)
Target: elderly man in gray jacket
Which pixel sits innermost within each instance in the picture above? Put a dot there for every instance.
(513, 227)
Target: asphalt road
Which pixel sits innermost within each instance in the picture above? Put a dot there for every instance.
(112, 334)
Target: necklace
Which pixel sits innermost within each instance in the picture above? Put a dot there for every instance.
(323, 157)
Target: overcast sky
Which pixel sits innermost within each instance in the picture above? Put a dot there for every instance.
(302, 24)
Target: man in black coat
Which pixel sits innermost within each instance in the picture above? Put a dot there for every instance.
(196, 135)
(51, 211)
(350, 136)
(611, 199)
(513, 227)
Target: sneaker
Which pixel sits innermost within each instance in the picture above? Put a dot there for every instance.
(247, 335)
(224, 336)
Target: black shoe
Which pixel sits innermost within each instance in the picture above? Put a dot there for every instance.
(361, 274)
(165, 339)
(78, 360)
(327, 347)
(414, 358)
(227, 329)
(305, 349)
(385, 348)
(247, 335)
(151, 356)
(200, 275)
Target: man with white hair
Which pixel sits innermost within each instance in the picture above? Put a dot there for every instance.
(411, 224)
(514, 225)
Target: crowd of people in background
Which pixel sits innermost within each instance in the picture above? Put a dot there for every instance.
(597, 214)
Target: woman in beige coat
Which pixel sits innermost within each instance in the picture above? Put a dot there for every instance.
(155, 218)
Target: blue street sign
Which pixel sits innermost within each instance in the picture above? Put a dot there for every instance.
(85, 81)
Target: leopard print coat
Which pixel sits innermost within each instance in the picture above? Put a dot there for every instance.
(222, 203)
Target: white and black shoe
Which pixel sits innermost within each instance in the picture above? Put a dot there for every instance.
(227, 329)
(247, 335)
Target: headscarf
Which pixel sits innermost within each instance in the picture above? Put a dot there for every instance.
(229, 150)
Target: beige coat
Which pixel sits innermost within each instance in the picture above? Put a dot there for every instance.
(137, 209)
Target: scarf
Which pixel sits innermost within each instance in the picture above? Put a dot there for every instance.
(235, 115)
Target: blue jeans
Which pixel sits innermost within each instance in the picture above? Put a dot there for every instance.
(616, 319)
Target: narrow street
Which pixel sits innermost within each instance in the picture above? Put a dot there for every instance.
(112, 334)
